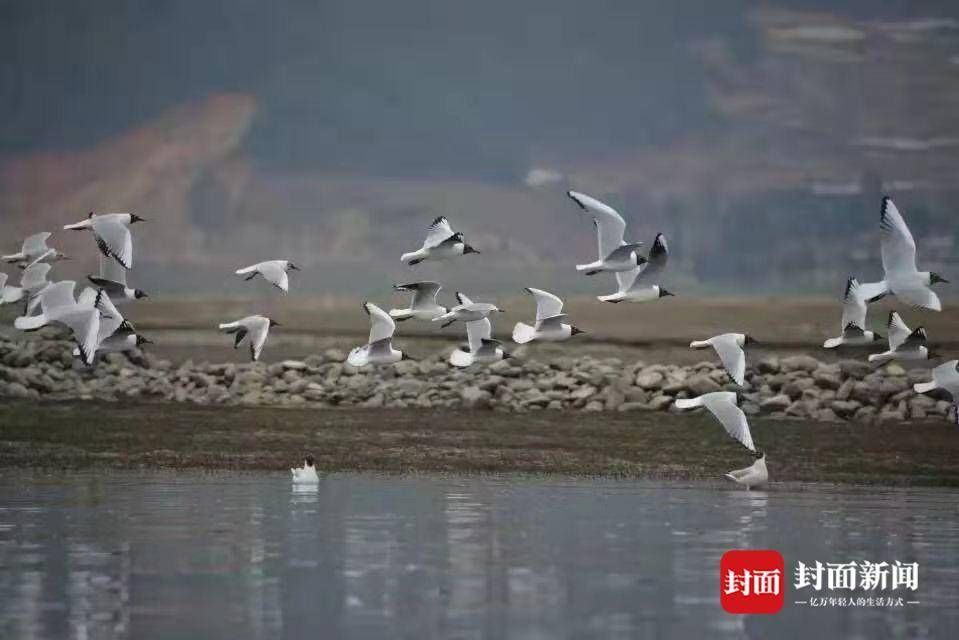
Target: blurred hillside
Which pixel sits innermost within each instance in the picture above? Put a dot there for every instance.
(758, 140)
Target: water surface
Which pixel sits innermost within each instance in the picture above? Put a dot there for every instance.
(161, 555)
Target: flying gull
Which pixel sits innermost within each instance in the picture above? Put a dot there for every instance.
(480, 347)
(641, 284)
(423, 305)
(379, 348)
(551, 323)
(854, 333)
(724, 405)
(729, 347)
(112, 233)
(81, 316)
(34, 250)
(113, 280)
(273, 271)
(256, 328)
(904, 344)
(614, 254)
(441, 243)
(467, 311)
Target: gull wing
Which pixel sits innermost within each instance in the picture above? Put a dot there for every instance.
(946, 375)
(731, 355)
(610, 226)
(381, 324)
(853, 305)
(439, 231)
(274, 273)
(552, 323)
(58, 295)
(916, 339)
(258, 328)
(3, 281)
(35, 275)
(36, 244)
(424, 293)
(110, 317)
(463, 299)
(547, 305)
(897, 243)
(114, 240)
(380, 348)
(920, 297)
(85, 324)
(722, 404)
(476, 332)
(898, 331)
(655, 264)
(111, 270)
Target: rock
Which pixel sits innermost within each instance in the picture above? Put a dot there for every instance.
(845, 390)
(17, 390)
(827, 415)
(294, 365)
(593, 405)
(633, 406)
(826, 380)
(635, 394)
(649, 380)
(614, 398)
(776, 403)
(855, 369)
(865, 393)
(660, 403)
(895, 369)
(768, 366)
(801, 362)
(796, 388)
(891, 417)
(845, 408)
(702, 384)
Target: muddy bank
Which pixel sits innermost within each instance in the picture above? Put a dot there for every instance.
(135, 435)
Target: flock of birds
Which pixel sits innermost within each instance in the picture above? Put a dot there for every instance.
(98, 326)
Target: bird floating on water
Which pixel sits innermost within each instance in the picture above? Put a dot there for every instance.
(729, 347)
(423, 305)
(901, 276)
(551, 323)
(273, 271)
(441, 243)
(614, 253)
(307, 473)
(641, 284)
(256, 328)
(854, 332)
(755, 475)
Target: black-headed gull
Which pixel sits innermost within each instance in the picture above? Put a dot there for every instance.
(423, 305)
(305, 474)
(901, 277)
(379, 348)
(724, 405)
(613, 253)
(257, 328)
(8, 293)
(641, 283)
(36, 249)
(729, 347)
(116, 334)
(854, 332)
(755, 475)
(551, 323)
(113, 279)
(904, 344)
(273, 271)
(112, 233)
(82, 316)
(480, 347)
(945, 377)
(441, 243)
(467, 311)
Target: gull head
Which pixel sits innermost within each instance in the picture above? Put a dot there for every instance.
(750, 340)
(308, 461)
(59, 255)
(663, 293)
(135, 218)
(139, 294)
(273, 323)
(640, 260)
(932, 355)
(575, 330)
(876, 337)
(292, 267)
(468, 249)
(406, 356)
(935, 278)
(142, 340)
(498, 310)
(759, 454)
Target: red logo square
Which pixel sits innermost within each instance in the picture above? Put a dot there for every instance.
(752, 581)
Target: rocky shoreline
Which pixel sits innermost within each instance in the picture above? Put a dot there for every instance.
(798, 386)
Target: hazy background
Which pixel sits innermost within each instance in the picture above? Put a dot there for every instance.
(758, 136)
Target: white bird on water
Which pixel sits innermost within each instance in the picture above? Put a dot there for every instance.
(901, 275)
(481, 347)
(467, 311)
(307, 473)
(729, 347)
(423, 305)
(112, 233)
(379, 348)
(81, 316)
(113, 280)
(35, 249)
(614, 254)
(256, 328)
(641, 283)
(273, 271)
(551, 323)
(854, 333)
(904, 344)
(755, 475)
(724, 405)
(441, 243)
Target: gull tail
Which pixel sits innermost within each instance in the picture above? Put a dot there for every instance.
(245, 270)
(613, 297)
(401, 314)
(460, 358)
(689, 403)
(413, 257)
(77, 226)
(924, 387)
(15, 257)
(832, 343)
(359, 357)
(731, 477)
(590, 268)
(11, 294)
(523, 333)
(229, 327)
(699, 344)
(880, 358)
(31, 323)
